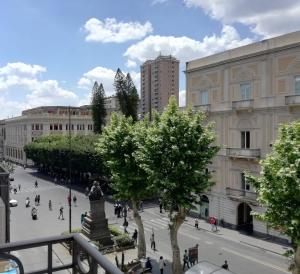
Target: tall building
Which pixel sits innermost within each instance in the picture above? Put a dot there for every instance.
(248, 92)
(159, 81)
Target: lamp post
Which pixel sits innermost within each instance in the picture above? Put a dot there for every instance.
(70, 189)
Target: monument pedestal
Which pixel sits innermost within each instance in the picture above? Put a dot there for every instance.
(95, 225)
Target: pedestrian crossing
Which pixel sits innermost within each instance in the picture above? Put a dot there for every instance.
(149, 225)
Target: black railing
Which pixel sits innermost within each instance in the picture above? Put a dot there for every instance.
(80, 250)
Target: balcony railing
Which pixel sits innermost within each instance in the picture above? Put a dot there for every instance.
(243, 153)
(292, 100)
(241, 194)
(243, 104)
(204, 108)
(82, 254)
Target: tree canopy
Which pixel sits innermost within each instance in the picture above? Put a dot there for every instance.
(98, 107)
(127, 94)
(175, 154)
(278, 185)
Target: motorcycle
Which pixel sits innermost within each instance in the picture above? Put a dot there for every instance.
(27, 202)
(34, 213)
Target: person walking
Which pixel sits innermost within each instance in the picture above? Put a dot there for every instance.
(185, 260)
(161, 264)
(135, 236)
(19, 186)
(61, 213)
(152, 241)
(225, 265)
(125, 225)
(142, 206)
(38, 199)
(75, 200)
(149, 264)
(36, 184)
(50, 205)
(196, 223)
(160, 207)
(82, 218)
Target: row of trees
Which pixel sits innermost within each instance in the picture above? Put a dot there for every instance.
(167, 157)
(126, 93)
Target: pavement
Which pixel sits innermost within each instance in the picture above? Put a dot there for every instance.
(245, 254)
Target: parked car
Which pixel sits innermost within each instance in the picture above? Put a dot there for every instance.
(13, 203)
(205, 267)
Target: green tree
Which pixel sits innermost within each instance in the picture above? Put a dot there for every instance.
(278, 186)
(127, 94)
(117, 146)
(175, 154)
(98, 107)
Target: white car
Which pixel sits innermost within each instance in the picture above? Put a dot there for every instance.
(13, 203)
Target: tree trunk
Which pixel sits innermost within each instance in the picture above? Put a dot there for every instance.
(175, 223)
(296, 269)
(141, 233)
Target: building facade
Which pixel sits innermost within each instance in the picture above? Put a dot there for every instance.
(159, 81)
(111, 105)
(19, 131)
(248, 92)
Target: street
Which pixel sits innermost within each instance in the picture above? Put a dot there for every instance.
(243, 258)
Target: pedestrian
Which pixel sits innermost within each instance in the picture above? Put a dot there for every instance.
(82, 218)
(75, 200)
(160, 207)
(196, 223)
(125, 225)
(185, 260)
(134, 236)
(38, 199)
(36, 184)
(15, 190)
(161, 264)
(225, 265)
(116, 209)
(19, 187)
(119, 210)
(50, 205)
(69, 200)
(152, 241)
(141, 206)
(61, 213)
(213, 222)
(148, 264)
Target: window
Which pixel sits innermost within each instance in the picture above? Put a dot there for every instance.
(60, 126)
(245, 91)
(37, 127)
(297, 85)
(245, 139)
(55, 126)
(244, 184)
(32, 127)
(67, 126)
(204, 97)
(51, 127)
(72, 127)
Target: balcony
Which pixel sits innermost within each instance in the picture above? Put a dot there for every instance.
(246, 153)
(292, 100)
(83, 257)
(241, 194)
(203, 108)
(243, 105)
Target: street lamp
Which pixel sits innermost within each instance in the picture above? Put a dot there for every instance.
(70, 187)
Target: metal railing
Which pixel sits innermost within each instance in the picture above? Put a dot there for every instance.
(292, 99)
(79, 248)
(241, 193)
(243, 104)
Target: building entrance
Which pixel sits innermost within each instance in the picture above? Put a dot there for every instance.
(204, 207)
(245, 219)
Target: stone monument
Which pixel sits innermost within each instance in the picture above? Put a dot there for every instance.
(95, 225)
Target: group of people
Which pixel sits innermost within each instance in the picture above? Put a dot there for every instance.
(121, 211)
(213, 222)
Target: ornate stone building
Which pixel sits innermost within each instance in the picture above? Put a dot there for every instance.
(248, 92)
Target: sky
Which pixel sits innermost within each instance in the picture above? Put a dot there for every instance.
(52, 51)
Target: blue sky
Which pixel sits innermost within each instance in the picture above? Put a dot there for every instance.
(51, 51)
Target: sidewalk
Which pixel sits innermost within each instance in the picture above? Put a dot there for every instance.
(236, 236)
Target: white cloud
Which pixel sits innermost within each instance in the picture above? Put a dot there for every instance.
(266, 18)
(131, 64)
(106, 77)
(185, 48)
(32, 91)
(110, 30)
(154, 2)
(182, 98)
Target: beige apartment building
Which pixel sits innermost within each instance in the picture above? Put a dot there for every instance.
(248, 92)
(159, 81)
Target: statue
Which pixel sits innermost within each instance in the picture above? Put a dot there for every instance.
(96, 192)
(95, 225)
